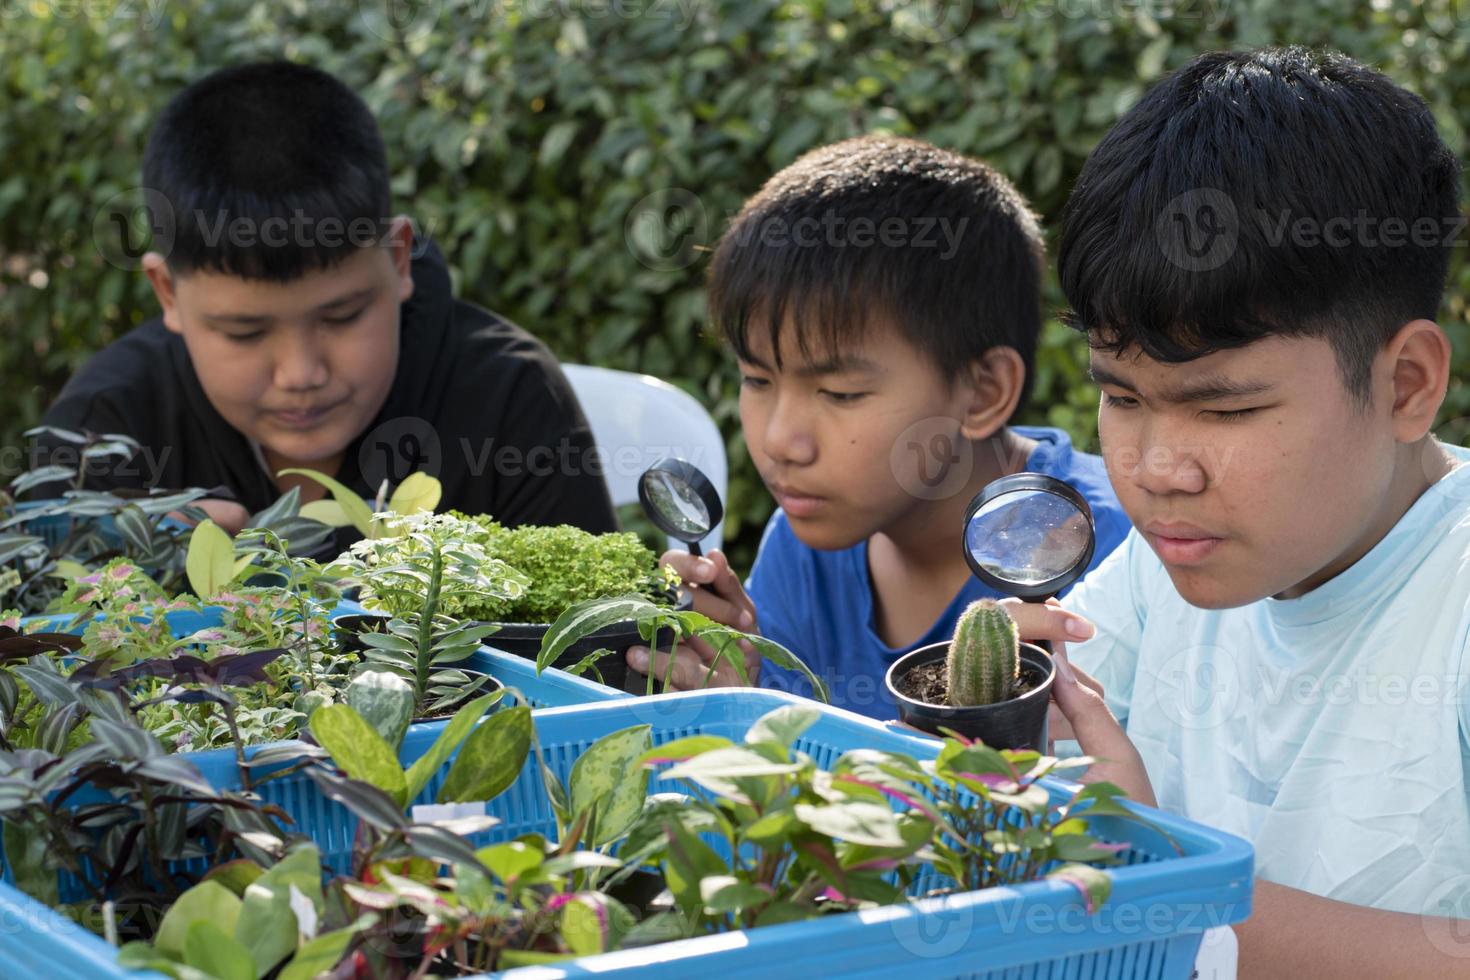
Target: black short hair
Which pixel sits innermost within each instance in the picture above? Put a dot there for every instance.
(1254, 194)
(957, 273)
(261, 144)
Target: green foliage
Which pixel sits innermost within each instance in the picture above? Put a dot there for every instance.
(984, 662)
(536, 145)
(564, 565)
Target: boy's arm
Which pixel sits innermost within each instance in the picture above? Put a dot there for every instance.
(1293, 934)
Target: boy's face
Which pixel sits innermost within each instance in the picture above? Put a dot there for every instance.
(1251, 472)
(300, 367)
(823, 433)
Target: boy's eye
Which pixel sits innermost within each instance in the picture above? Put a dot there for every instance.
(1233, 416)
(844, 397)
(753, 383)
(245, 338)
(1119, 401)
(342, 321)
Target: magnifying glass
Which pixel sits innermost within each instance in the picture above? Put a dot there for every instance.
(680, 501)
(1029, 535)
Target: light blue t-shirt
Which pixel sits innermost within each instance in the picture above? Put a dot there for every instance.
(819, 604)
(1331, 730)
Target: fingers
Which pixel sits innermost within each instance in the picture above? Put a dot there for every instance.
(228, 514)
(1098, 732)
(1048, 621)
(716, 590)
(684, 670)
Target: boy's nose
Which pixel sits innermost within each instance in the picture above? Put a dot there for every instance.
(1162, 469)
(300, 365)
(788, 439)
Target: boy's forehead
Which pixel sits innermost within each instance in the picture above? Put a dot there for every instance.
(219, 294)
(1261, 365)
(816, 350)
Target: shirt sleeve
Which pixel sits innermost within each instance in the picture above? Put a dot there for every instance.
(775, 588)
(1113, 598)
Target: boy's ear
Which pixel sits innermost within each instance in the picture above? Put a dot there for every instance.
(1418, 357)
(400, 247)
(155, 267)
(992, 388)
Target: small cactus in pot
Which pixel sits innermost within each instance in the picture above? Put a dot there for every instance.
(984, 662)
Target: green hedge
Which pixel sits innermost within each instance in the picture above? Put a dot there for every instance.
(543, 141)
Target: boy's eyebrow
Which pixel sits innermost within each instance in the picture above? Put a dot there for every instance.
(259, 319)
(1213, 387)
(839, 365)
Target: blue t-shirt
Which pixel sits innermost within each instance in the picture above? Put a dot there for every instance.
(819, 604)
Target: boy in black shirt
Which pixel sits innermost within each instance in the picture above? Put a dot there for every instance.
(303, 326)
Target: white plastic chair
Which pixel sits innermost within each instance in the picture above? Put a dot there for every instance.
(637, 420)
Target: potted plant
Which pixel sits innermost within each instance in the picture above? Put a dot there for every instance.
(984, 684)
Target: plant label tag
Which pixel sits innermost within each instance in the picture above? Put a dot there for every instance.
(438, 812)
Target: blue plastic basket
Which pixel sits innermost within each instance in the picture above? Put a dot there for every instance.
(1162, 899)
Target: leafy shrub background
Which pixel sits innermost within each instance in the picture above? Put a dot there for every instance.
(528, 135)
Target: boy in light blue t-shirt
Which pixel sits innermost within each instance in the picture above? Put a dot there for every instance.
(1257, 252)
(883, 297)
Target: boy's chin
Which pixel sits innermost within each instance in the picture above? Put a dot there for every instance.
(1214, 591)
(822, 536)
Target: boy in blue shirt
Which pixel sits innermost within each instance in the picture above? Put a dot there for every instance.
(1257, 252)
(883, 297)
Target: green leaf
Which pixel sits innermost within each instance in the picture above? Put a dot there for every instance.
(784, 658)
(208, 901)
(690, 861)
(719, 770)
(556, 141)
(25, 853)
(209, 948)
(584, 924)
(418, 493)
(327, 512)
(726, 893)
(449, 739)
(235, 875)
(855, 821)
(1094, 884)
(319, 955)
(385, 701)
(354, 508)
(267, 925)
(607, 776)
(210, 564)
(684, 748)
(586, 618)
(359, 750)
(783, 726)
(510, 860)
(491, 758)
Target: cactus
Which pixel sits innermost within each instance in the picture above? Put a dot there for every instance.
(984, 656)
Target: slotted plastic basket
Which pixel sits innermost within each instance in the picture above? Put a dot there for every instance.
(1162, 898)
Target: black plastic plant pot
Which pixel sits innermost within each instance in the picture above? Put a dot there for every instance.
(349, 627)
(524, 640)
(1019, 723)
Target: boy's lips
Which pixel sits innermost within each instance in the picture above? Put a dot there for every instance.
(1181, 544)
(796, 503)
(304, 418)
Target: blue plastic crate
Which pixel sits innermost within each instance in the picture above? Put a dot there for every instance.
(1151, 927)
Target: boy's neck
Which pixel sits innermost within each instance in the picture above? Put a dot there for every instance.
(1418, 467)
(917, 566)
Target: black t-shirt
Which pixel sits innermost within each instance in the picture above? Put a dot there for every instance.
(476, 401)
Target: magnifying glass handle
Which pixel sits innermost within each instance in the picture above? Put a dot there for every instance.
(694, 549)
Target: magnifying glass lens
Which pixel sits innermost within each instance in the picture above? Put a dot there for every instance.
(1028, 537)
(677, 503)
